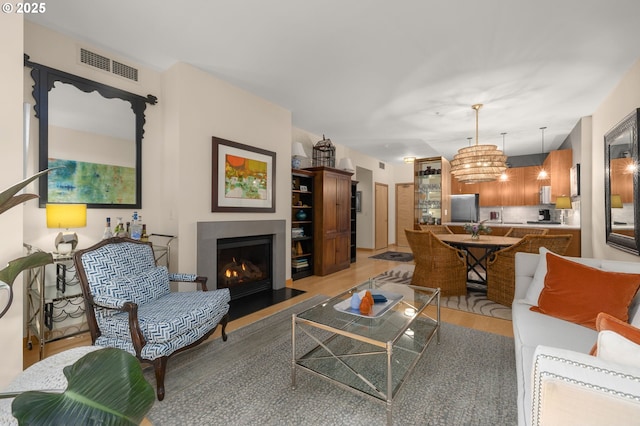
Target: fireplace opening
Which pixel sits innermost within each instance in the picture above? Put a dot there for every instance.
(244, 264)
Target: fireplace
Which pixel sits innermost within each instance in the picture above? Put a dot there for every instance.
(244, 264)
(209, 234)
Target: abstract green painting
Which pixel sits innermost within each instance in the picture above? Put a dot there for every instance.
(91, 183)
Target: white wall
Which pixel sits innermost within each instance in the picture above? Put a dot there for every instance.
(203, 106)
(60, 52)
(624, 98)
(11, 166)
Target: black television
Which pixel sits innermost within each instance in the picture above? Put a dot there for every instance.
(465, 208)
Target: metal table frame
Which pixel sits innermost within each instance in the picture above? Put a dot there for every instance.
(418, 321)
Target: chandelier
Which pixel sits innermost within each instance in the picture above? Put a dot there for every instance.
(478, 163)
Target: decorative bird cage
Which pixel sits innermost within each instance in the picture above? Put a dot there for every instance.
(324, 153)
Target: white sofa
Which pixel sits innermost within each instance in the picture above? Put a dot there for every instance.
(562, 356)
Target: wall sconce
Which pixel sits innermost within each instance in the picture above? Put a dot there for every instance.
(296, 154)
(346, 164)
(66, 216)
(563, 203)
(409, 160)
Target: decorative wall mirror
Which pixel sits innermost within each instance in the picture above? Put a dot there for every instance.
(622, 204)
(93, 134)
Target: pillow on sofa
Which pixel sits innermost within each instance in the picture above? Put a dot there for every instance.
(537, 283)
(578, 293)
(613, 347)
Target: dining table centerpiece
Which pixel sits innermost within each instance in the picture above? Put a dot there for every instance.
(476, 228)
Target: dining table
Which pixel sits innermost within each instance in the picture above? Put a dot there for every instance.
(477, 253)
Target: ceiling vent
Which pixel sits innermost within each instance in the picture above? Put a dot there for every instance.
(106, 64)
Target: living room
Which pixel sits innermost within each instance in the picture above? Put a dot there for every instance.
(194, 106)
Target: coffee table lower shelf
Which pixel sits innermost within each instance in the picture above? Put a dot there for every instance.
(362, 364)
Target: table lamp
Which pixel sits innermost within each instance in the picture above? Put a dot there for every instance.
(346, 164)
(66, 216)
(616, 201)
(296, 154)
(563, 203)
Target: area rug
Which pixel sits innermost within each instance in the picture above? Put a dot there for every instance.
(475, 301)
(394, 255)
(469, 378)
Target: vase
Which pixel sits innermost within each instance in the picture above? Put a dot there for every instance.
(475, 236)
(301, 215)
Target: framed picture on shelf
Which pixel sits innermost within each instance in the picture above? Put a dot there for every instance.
(243, 178)
(303, 188)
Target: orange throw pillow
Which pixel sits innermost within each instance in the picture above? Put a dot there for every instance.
(578, 293)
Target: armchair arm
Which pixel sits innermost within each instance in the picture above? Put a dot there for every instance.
(190, 278)
(113, 303)
(575, 388)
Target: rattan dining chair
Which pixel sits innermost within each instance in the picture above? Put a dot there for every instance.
(438, 265)
(436, 229)
(501, 264)
(521, 232)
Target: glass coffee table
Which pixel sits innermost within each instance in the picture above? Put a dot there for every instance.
(369, 354)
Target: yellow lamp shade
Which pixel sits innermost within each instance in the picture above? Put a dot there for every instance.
(66, 215)
(616, 201)
(563, 202)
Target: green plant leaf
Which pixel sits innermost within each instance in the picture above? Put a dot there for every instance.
(7, 199)
(9, 274)
(106, 387)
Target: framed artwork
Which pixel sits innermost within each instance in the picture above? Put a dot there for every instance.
(243, 178)
(358, 201)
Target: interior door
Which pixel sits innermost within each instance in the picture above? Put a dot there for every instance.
(382, 216)
(404, 212)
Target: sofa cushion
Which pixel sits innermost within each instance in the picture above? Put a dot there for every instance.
(578, 293)
(537, 284)
(139, 288)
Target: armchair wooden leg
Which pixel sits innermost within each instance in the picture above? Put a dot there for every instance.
(160, 366)
(223, 322)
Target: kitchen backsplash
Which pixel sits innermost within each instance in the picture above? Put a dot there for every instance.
(522, 214)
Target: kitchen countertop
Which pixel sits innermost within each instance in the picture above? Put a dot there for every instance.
(497, 224)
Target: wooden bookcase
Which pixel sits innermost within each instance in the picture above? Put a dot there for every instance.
(302, 230)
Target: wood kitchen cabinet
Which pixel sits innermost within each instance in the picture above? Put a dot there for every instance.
(621, 179)
(558, 165)
(332, 219)
(523, 186)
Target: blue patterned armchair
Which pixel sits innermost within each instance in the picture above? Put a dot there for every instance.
(130, 306)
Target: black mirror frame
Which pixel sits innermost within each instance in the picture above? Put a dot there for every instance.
(619, 241)
(44, 79)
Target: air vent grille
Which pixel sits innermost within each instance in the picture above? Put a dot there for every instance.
(125, 71)
(381, 165)
(95, 60)
(106, 64)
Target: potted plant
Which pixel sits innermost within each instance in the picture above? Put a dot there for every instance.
(105, 386)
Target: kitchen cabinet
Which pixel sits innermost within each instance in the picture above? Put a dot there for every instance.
(621, 179)
(432, 186)
(302, 247)
(331, 219)
(558, 165)
(523, 186)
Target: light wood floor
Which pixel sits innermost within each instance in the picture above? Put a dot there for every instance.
(330, 285)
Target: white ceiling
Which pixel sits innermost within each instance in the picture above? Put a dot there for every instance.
(389, 79)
